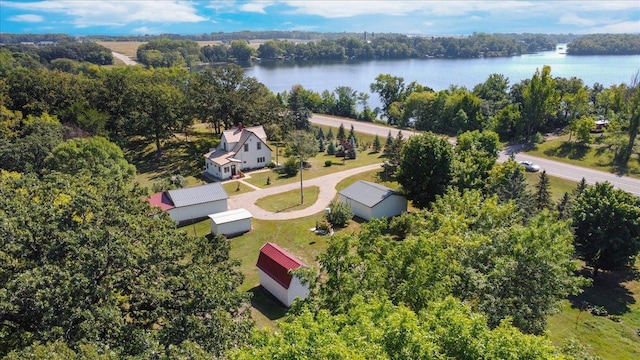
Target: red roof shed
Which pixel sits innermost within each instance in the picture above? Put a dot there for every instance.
(276, 262)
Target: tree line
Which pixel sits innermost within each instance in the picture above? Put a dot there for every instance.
(605, 44)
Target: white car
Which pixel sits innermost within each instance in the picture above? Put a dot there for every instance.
(529, 166)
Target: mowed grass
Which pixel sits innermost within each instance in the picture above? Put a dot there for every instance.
(236, 188)
(616, 336)
(290, 200)
(593, 156)
(128, 48)
(557, 186)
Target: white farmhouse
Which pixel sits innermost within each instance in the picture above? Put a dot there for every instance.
(370, 200)
(240, 149)
(192, 203)
(274, 271)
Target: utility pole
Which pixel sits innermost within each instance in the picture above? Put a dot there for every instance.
(301, 192)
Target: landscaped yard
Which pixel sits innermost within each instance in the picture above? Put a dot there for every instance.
(594, 156)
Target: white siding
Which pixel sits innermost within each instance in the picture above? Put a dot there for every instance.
(273, 287)
(357, 208)
(250, 158)
(296, 289)
(392, 206)
(179, 214)
(231, 228)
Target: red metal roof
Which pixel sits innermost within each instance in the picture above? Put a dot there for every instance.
(161, 200)
(276, 262)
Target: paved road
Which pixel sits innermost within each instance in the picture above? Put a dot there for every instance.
(327, 185)
(127, 60)
(554, 168)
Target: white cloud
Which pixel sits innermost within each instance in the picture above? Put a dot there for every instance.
(630, 27)
(27, 18)
(86, 13)
(574, 19)
(144, 30)
(256, 6)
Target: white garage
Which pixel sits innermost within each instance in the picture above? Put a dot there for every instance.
(231, 222)
(369, 200)
(192, 203)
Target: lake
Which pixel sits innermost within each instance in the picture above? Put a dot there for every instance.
(439, 74)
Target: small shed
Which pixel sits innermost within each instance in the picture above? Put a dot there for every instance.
(369, 200)
(192, 203)
(231, 222)
(274, 271)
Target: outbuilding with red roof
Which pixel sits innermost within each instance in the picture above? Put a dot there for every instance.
(274, 271)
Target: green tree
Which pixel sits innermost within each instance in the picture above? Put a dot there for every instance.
(341, 134)
(542, 197)
(301, 144)
(607, 227)
(582, 127)
(301, 114)
(476, 154)
(425, 168)
(633, 110)
(376, 144)
(241, 50)
(539, 101)
(85, 264)
(508, 182)
(390, 89)
(339, 214)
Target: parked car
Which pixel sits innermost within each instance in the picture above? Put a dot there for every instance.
(529, 166)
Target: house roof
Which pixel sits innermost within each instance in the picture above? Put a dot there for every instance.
(221, 157)
(233, 135)
(197, 194)
(230, 216)
(276, 263)
(161, 200)
(367, 193)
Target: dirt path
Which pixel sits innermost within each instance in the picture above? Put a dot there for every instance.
(125, 59)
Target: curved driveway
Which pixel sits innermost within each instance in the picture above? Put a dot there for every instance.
(326, 184)
(554, 168)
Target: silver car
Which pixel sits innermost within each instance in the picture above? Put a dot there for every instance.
(529, 166)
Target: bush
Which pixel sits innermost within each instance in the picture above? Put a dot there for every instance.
(271, 165)
(538, 138)
(291, 167)
(331, 149)
(328, 163)
(339, 214)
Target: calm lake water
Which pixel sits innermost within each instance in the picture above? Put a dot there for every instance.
(439, 74)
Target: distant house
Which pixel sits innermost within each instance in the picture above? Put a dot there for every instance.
(274, 271)
(240, 149)
(370, 200)
(192, 203)
(231, 222)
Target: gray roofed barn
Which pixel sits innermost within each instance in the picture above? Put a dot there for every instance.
(370, 200)
(198, 194)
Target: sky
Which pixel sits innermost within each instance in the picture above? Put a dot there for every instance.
(132, 17)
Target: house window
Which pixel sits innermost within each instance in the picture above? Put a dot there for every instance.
(246, 147)
(259, 146)
(226, 169)
(261, 159)
(224, 146)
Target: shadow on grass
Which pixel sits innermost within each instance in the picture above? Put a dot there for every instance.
(607, 291)
(569, 150)
(266, 303)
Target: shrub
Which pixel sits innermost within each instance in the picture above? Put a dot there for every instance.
(331, 149)
(339, 214)
(271, 165)
(291, 167)
(328, 163)
(538, 138)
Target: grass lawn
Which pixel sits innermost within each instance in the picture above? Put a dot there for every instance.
(594, 156)
(558, 186)
(290, 200)
(128, 48)
(616, 336)
(317, 168)
(236, 188)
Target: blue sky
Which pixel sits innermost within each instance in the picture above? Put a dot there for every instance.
(127, 17)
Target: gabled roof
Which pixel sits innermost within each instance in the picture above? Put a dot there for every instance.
(233, 135)
(161, 200)
(230, 216)
(276, 262)
(197, 194)
(367, 193)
